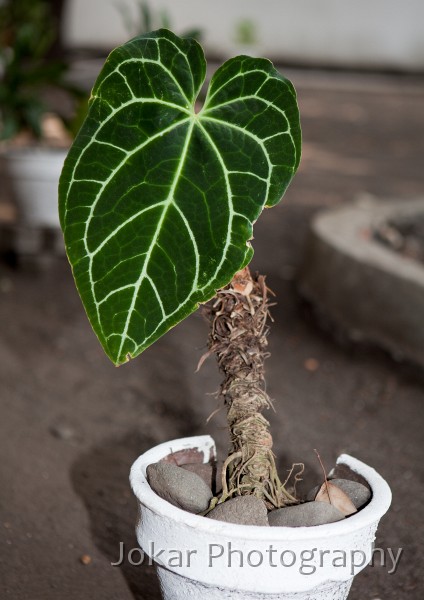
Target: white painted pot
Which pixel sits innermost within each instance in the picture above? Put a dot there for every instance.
(198, 557)
(34, 174)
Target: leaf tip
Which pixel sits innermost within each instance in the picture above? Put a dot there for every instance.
(118, 361)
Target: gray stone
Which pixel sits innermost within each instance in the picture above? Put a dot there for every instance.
(209, 472)
(358, 493)
(243, 510)
(180, 487)
(342, 471)
(305, 515)
(312, 494)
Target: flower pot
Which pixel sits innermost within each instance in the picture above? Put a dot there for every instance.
(34, 175)
(198, 557)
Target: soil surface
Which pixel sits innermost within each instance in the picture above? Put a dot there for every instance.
(406, 238)
(71, 424)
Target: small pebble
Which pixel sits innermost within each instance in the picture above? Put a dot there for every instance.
(243, 510)
(63, 432)
(85, 559)
(304, 515)
(311, 365)
(358, 493)
(179, 486)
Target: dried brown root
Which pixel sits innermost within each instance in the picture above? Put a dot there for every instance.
(238, 337)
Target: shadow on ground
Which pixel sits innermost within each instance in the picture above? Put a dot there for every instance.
(100, 478)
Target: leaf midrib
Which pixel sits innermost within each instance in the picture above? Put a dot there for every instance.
(92, 254)
(167, 204)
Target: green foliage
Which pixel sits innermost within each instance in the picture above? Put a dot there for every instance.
(145, 19)
(27, 34)
(158, 201)
(246, 32)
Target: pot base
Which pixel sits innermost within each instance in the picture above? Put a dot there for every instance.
(175, 587)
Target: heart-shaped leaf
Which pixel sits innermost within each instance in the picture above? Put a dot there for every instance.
(157, 201)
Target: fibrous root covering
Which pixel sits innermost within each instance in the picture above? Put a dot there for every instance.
(238, 336)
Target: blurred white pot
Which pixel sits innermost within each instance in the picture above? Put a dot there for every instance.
(34, 175)
(203, 558)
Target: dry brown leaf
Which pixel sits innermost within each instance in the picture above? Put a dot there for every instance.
(332, 494)
(242, 287)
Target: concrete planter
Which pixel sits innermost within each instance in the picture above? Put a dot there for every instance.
(34, 174)
(202, 558)
(365, 289)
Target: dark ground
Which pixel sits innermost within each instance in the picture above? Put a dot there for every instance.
(71, 424)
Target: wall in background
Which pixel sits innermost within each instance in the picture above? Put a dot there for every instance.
(355, 33)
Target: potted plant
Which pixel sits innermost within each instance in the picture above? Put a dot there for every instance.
(157, 205)
(141, 18)
(35, 133)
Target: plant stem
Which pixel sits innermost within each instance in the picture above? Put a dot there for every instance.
(238, 337)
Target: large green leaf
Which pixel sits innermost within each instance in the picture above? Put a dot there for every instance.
(157, 202)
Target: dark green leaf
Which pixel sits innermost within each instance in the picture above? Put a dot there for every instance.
(157, 202)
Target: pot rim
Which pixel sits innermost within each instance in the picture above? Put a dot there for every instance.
(33, 152)
(371, 513)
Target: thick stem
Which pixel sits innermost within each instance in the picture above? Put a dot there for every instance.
(238, 337)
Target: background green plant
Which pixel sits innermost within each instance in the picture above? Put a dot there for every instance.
(146, 19)
(245, 33)
(27, 71)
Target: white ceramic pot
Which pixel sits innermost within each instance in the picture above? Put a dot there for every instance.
(34, 174)
(198, 557)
